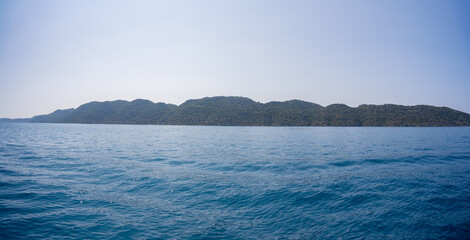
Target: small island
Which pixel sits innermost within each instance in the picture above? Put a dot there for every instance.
(242, 111)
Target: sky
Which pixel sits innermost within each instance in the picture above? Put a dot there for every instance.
(61, 54)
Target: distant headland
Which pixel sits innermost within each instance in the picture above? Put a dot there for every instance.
(242, 111)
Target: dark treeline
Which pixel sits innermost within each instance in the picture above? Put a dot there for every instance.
(240, 111)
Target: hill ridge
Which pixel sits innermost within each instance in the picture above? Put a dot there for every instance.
(243, 111)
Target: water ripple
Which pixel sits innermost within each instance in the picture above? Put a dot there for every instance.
(163, 182)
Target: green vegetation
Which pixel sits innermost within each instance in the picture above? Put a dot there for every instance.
(116, 112)
(240, 111)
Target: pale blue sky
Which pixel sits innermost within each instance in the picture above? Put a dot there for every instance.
(61, 54)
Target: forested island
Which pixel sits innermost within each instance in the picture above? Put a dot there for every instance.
(241, 111)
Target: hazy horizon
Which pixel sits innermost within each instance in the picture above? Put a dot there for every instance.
(59, 55)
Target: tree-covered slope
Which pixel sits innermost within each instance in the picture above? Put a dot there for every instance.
(55, 117)
(225, 111)
(292, 113)
(116, 112)
(241, 111)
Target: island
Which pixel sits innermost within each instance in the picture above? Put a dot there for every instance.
(242, 111)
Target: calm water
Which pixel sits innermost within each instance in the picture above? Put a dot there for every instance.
(121, 182)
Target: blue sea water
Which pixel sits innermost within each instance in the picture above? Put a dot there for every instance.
(66, 181)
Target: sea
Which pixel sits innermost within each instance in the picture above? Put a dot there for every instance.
(79, 181)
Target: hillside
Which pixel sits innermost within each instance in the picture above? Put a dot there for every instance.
(240, 111)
